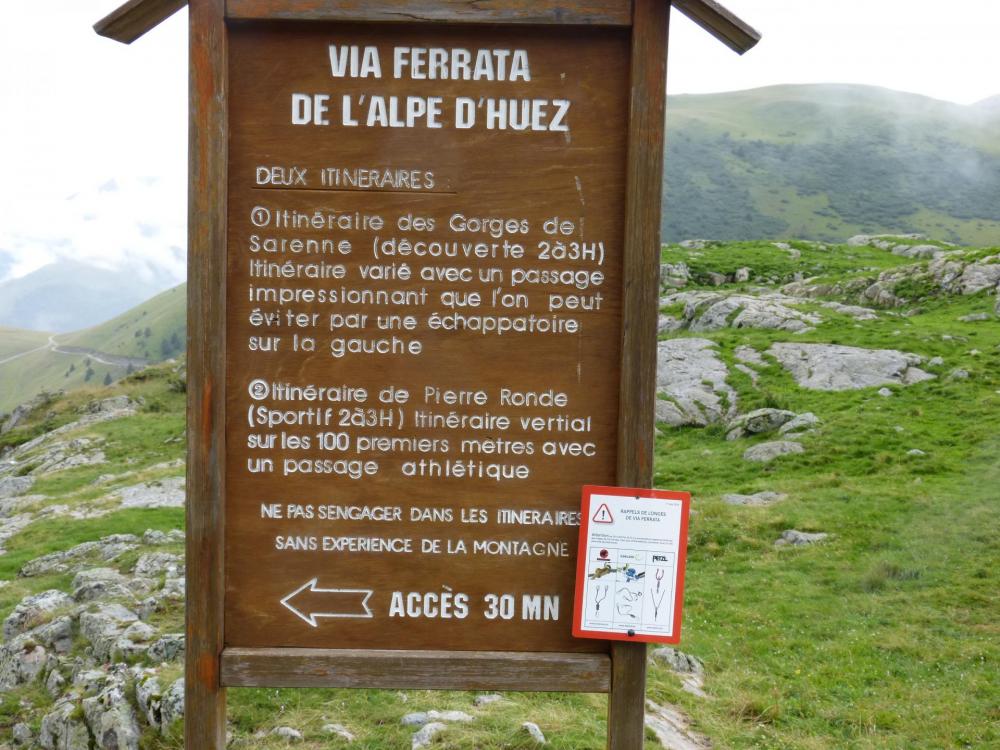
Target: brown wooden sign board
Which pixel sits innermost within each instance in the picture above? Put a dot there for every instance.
(422, 313)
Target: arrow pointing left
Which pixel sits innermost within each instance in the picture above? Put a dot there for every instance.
(309, 602)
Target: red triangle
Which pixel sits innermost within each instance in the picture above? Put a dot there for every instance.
(603, 515)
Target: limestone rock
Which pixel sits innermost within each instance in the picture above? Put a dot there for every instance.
(756, 500)
(338, 730)
(750, 356)
(415, 719)
(693, 377)
(673, 729)
(289, 734)
(766, 452)
(22, 735)
(918, 251)
(112, 719)
(758, 422)
(794, 538)
(713, 311)
(855, 311)
(104, 626)
(163, 493)
(22, 659)
(155, 537)
(11, 486)
(832, 367)
(535, 732)
(975, 317)
(35, 610)
(487, 699)
(156, 563)
(100, 583)
(107, 548)
(802, 423)
(425, 735)
(169, 647)
(63, 728)
(689, 668)
(112, 404)
(148, 696)
(674, 275)
(172, 704)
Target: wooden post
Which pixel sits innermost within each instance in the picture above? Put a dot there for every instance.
(647, 105)
(205, 699)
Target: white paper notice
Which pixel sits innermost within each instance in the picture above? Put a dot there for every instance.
(631, 564)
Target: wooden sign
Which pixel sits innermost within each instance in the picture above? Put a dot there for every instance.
(422, 313)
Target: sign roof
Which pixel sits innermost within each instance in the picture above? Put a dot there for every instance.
(133, 19)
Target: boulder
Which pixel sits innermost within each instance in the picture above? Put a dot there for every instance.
(100, 583)
(691, 375)
(673, 729)
(112, 719)
(156, 563)
(678, 661)
(425, 735)
(148, 696)
(535, 732)
(22, 660)
(713, 311)
(487, 699)
(794, 538)
(35, 610)
(802, 423)
(163, 493)
(63, 728)
(104, 626)
(338, 730)
(172, 705)
(758, 422)
(168, 647)
(917, 251)
(288, 734)
(832, 367)
(766, 452)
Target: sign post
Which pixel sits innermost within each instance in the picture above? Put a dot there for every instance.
(423, 285)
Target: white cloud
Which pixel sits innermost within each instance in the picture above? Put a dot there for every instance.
(78, 112)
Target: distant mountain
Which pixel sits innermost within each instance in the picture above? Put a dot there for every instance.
(825, 162)
(31, 362)
(69, 296)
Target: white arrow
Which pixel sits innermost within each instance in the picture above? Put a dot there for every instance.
(311, 617)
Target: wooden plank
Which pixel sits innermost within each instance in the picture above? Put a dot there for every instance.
(647, 105)
(133, 19)
(581, 12)
(418, 670)
(721, 23)
(205, 718)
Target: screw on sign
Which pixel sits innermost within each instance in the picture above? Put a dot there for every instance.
(410, 244)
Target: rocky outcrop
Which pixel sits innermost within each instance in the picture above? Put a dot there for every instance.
(691, 380)
(758, 422)
(831, 367)
(763, 453)
(710, 311)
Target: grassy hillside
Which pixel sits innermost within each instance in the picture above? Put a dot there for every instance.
(14, 341)
(152, 331)
(825, 162)
(883, 636)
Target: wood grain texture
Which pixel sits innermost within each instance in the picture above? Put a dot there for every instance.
(581, 12)
(205, 718)
(644, 180)
(417, 670)
(133, 19)
(721, 23)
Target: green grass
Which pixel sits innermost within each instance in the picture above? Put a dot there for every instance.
(884, 637)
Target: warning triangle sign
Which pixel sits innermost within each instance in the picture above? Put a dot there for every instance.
(603, 515)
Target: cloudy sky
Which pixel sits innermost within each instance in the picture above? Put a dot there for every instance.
(92, 132)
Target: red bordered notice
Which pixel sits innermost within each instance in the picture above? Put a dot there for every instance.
(630, 569)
